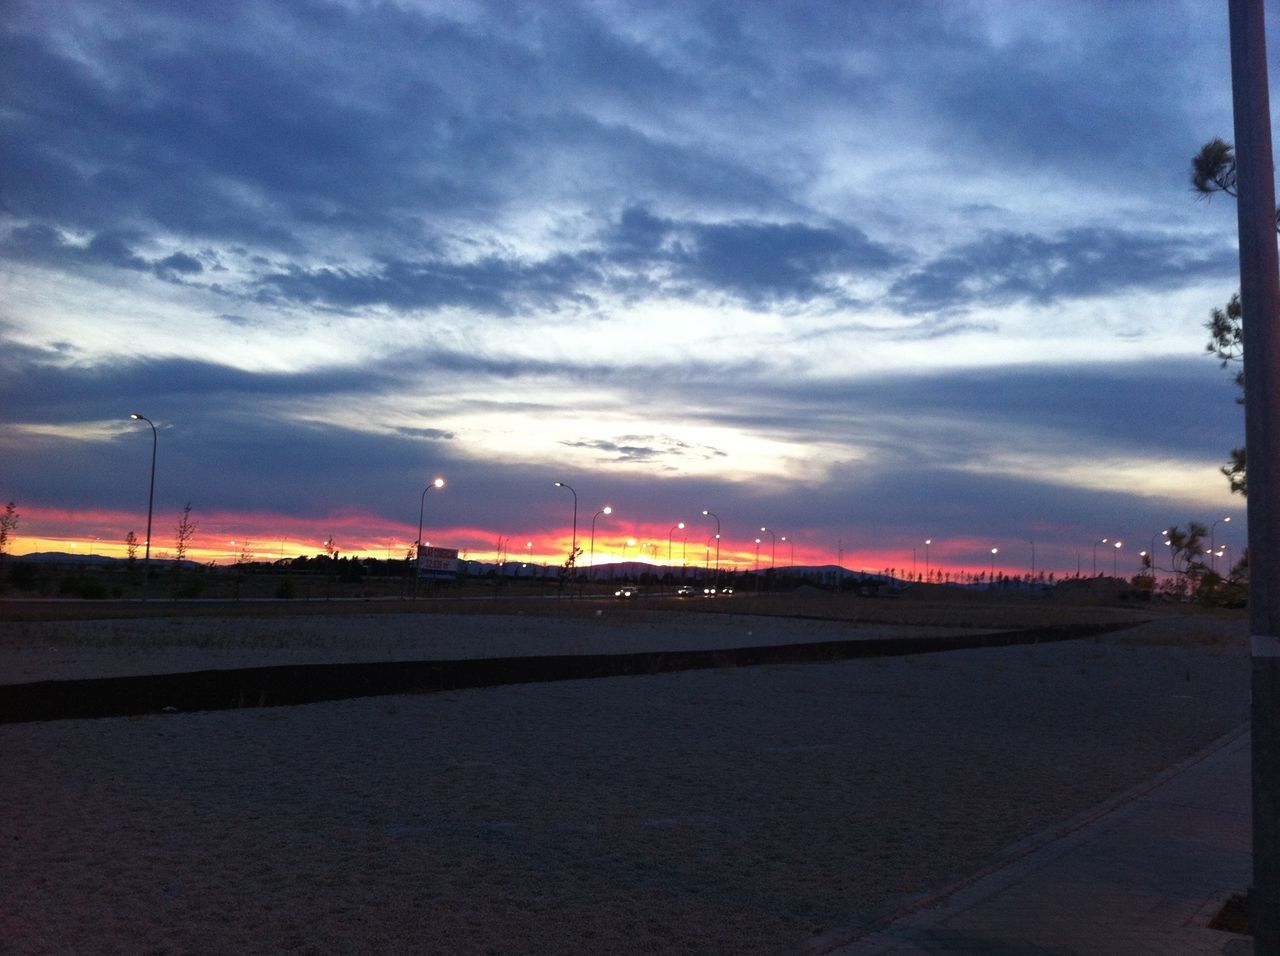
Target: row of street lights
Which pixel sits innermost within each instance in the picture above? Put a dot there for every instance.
(678, 526)
(439, 483)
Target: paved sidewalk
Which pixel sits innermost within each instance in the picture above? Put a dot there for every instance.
(1143, 874)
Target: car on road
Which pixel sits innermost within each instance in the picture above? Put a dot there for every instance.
(623, 593)
(684, 591)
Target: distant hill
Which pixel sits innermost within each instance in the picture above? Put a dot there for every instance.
(104, 560)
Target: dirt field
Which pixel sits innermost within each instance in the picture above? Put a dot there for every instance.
(749, 810)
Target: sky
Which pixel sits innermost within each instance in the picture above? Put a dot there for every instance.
(864, 274)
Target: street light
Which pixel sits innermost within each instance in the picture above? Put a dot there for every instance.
(927, 542)
(757, 554)
(606, 510)
(1151, 555)
(151, 497)
(678, 526)
(717, 520)
(573, 547)
(773, 554)
(417, 545)
(1115, 558)
(792, 545)
(1212, 547)
(994, 552)
(1095, 554)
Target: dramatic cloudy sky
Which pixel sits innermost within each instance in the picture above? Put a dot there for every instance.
(865, 273)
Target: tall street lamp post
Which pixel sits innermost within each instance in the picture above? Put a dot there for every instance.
(678, 526)
(717, 521)
(1095, 554)
(573, 547)
(151, 497)
(792, 545)
(927, 542)
(1115, 558)
(417, 547)
(606, 510)
(773, 552)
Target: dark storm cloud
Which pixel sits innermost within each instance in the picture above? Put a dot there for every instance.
(495, 286)
(37, 388)
(646, 448)
(46, 247)
(616, 451)
(1181, 410)
(431, 434)
(1003, 267)
(758, 262)
(388, 111)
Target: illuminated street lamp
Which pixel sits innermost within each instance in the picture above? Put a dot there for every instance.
(151, 496)
(417, 546)
(792, 545)
(1095, 554)
(678, 526)
(1115, 558)
(1212, 547)
(927, 542)
(773, 554)
(717, 520)
(573, 547)
(757, 554)
(606, 510)
(994, 552)
(1151, 555)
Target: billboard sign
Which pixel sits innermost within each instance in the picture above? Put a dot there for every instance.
(437, 564)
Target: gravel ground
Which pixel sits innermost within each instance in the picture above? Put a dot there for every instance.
(733, 811)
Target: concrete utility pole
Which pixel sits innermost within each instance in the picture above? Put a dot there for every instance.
(1260, 302)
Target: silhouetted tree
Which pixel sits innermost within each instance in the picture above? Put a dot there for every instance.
(186, 530)
(8, 524)
(131, 546)
(1213, 170)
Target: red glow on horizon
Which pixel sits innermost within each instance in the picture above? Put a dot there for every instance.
(224, 537)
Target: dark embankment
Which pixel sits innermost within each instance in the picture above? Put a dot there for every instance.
(311, 683)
